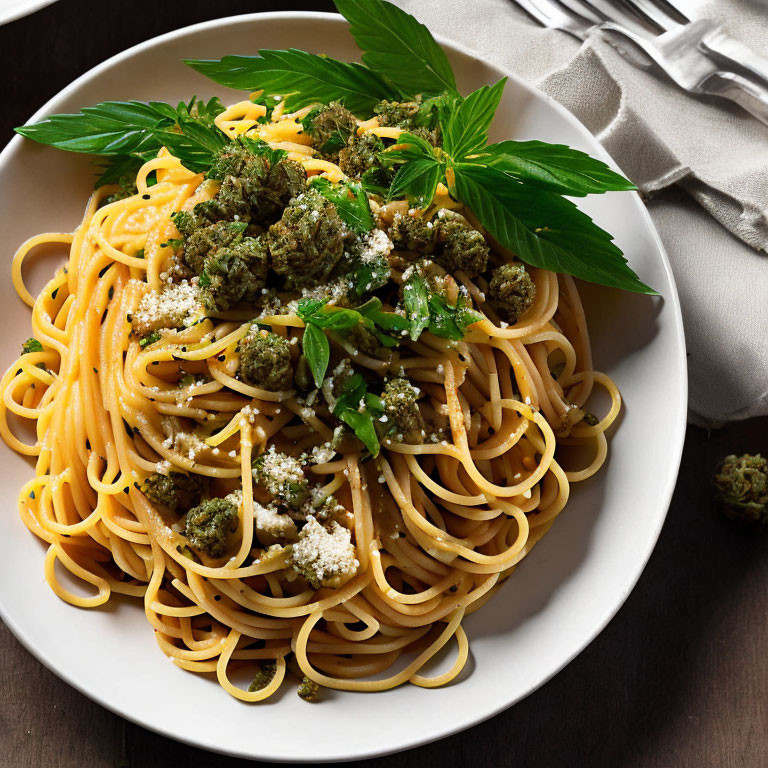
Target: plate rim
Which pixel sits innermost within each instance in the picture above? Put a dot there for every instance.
(21, 10)
(676, 437)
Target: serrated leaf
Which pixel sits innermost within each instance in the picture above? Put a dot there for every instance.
(416, 305)
(397, 46)
(417, 181)
(544, 229)
(555, 167)
(465, 131)
(350, 200)
(301, 78)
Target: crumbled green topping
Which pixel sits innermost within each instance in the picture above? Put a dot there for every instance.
(265, 360)
(175, 492)
(742, 487)
(210, 525)
(511, 291)
(308, 690)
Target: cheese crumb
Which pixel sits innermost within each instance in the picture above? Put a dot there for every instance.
(324, 556)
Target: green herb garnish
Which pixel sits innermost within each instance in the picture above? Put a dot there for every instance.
(31, 345)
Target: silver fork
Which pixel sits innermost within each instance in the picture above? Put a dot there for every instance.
(675, 51)
(722, 48)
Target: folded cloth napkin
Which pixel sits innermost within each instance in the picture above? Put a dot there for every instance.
(716, 229)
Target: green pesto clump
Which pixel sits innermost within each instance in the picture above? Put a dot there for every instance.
(460, 248)
(412, 233)
(201, 241)
(511, 291)
(253, 187)
(308, 241)
(360, 154)
(126, 187)
(263, 677)
(308, 689)
(265, 361)
(282, 476)
(175, 491)
(235, 273)
(209, 525)
(404, 420)
(742, 487)
(330, 127)
(400, 114)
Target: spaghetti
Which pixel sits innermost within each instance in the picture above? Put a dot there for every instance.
(425, 532)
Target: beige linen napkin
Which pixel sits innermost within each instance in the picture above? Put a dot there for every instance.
(716, 232)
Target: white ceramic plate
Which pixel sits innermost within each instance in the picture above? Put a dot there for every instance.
(10, 10)
(559, 599)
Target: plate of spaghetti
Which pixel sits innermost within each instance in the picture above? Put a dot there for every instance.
(325, 353)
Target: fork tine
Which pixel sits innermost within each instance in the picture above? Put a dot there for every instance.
(661, 14)
(551, 13)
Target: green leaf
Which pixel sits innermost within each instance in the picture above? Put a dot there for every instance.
(418, 181)
(450, 320)
(398, 47)
(371, 275)
(408, 147)
(376, 181)
(362, 426)
(333, 318)
(31, 345)
(555, 167)
(544, 229)
(350, 201)
(109, 128)
(355, 396)
(196, 146)
(115, 168)
(317, 350)
(260, 147)
(128, 133)
(416, 304)
(301, 78)
(387, 321)
(465, 131)
(150, 338)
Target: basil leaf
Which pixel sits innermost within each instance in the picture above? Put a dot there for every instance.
(555, 167)
(362, 426)
(371, 275)
(260, 147)
(301, 78)
(416, 304)
(376, 181)
(465, 131)
(398, 47)
(418, 181)
(336, 319)
(544, 229)
(317, 350)
(352, 393)
(387, 321)
(347, 408)
(450, 321)
(355, 210)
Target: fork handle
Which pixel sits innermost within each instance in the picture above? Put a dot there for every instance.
(747, 94)
(734, 53)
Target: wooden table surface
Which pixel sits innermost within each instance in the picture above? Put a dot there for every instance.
(680, 676)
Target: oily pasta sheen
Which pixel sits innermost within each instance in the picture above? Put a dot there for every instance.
(436, 526)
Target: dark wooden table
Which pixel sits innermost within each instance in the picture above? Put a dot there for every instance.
(680, 676)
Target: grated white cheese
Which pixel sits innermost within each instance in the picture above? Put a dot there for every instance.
(176, 306)
(324, 554)
(375, 245)
(271, 521)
